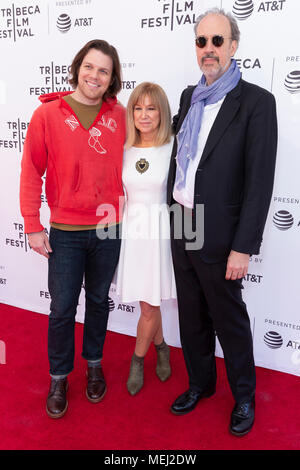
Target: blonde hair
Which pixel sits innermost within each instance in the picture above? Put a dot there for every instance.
(159, 99)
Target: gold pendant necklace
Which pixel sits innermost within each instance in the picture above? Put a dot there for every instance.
(142, 165)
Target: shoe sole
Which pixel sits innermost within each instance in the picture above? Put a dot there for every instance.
(180, 413)
(95, 400)
(57, 415)
(240, 434)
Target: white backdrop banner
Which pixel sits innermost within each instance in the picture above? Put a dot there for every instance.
(154, 38)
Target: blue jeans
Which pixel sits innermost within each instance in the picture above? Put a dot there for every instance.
(76, 256)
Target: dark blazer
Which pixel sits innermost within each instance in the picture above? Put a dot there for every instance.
(234, 179)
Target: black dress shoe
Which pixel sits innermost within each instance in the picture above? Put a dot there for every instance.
(188, 401)
(242, 418)
(57, 403)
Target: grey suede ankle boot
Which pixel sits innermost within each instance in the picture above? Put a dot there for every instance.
(163, 369)
(136, 375)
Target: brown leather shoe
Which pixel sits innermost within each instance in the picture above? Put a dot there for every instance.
(96, 386)
(57, 403)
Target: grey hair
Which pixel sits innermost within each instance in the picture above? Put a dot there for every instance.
(235, 32)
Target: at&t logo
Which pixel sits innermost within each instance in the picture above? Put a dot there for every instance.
(111, 304)
(273, 340)
(123, 307)
(64, 22)
(257, 278)
(126, 308)
(292, 82)
(243, 9)
(283, 220)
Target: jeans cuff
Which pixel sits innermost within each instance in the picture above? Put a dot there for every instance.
(59, 377)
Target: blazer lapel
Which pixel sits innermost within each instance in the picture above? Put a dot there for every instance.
(225, 116)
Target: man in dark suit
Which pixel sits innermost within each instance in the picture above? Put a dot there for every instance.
(223, 159)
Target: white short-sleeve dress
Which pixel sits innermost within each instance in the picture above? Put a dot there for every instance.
(145, 270)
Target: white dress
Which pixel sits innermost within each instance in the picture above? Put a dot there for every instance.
(145, 270)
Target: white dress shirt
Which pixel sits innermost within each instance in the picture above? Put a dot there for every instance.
(185, 196)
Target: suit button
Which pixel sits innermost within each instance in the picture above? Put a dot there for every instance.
(199, 169)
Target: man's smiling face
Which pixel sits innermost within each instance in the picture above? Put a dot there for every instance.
(94, 77)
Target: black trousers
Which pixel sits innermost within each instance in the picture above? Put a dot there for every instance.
(210, 305)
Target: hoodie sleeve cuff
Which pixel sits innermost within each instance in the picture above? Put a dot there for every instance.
(32, 224)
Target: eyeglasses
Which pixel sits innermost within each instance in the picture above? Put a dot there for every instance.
(217, 41)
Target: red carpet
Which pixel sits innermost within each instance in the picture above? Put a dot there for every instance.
(122, 422)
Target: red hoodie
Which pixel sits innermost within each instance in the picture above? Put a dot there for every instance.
(84, 166)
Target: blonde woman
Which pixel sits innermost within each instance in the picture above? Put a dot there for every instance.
(145, 271)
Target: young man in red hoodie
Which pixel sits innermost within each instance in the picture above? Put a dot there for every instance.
(77, 138)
